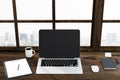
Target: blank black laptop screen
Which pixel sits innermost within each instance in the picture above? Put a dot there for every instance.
(59, 43)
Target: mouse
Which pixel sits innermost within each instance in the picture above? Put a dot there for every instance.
(95, 68)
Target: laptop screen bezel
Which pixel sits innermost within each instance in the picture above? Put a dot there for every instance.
(42, 53)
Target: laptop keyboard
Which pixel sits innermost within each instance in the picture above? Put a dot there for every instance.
(50, 62)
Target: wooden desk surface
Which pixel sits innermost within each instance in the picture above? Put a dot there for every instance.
(86, 63)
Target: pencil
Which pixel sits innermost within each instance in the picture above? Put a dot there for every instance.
(18, 66)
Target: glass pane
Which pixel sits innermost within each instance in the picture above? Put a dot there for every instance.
(111, 9)
(74, 9)
(6, 10)
(110, 34)
(28, 33)
(34, 9)
(85, 31)
(7, 34)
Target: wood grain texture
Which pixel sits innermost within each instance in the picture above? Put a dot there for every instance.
(86, 63)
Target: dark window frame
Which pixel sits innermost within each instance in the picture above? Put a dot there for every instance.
(97, 20)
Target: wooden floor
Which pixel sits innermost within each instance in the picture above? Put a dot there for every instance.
(86, 63)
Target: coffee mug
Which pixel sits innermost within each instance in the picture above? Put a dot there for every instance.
(29, 52)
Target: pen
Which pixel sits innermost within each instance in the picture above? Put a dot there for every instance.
(18, 66)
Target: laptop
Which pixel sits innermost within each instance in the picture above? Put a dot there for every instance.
(59, 52)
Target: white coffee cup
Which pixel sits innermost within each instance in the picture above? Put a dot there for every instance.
(29, 52)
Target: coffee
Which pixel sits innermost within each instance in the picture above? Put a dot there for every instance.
(29, 52)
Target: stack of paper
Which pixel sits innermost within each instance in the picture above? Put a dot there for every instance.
(17, 67)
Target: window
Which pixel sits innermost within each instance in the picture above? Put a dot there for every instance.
(85, 31)
(111, 10)
(6, 10)
(28, 33)
(7, 34)
(75, 14)
(23, 19)
(34, 9)
(74, 9)
(110, 34)
(111, 24)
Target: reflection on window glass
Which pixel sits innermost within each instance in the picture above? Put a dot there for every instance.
(34, 9)
(85, 31)
(74, 9)
(29, 33)
(6, 10)
(111, 9)
(110, 34)
(7, 34)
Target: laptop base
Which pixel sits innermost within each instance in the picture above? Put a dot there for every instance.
(59, 69)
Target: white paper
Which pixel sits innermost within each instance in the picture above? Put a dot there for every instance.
(108, 54)
(17, 67)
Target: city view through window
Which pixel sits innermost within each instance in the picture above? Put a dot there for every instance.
(110, 34)
(29, 35)
(7, 34)
(38, 14)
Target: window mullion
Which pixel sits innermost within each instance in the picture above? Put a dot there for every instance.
(15, 22)
(97, 23)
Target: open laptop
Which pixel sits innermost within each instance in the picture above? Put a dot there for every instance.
(59, 52)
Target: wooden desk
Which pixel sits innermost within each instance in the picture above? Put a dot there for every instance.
(88, 74)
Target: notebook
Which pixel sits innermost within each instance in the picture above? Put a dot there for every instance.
(18, 67)
(59, 52)
(109, 64)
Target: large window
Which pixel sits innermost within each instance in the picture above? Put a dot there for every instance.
(97, 20)
(75, 14)
(111, 24)
(21, 20)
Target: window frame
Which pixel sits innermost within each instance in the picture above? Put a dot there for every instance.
(109, 48)
(97, 20)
